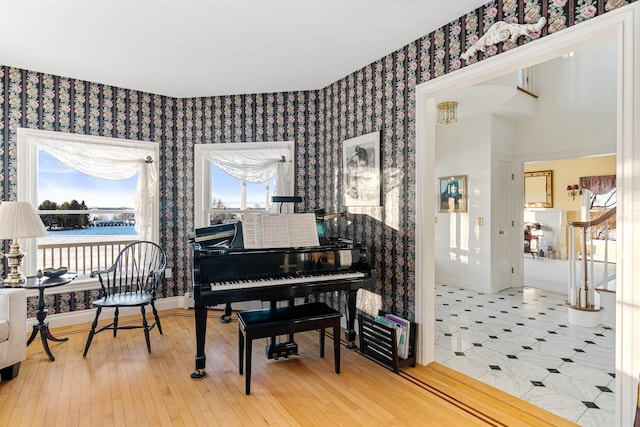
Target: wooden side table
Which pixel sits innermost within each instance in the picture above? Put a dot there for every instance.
(41, 314)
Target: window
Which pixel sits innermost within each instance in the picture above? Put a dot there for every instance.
(96, 163)
(236, 177)
(603, 202)
(76, 204)
(230, 195)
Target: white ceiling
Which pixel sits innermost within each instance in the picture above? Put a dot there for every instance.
(191, 48)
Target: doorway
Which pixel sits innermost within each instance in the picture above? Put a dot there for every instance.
(616, 24)
(549, 270)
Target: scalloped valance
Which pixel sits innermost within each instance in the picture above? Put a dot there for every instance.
(598, 184)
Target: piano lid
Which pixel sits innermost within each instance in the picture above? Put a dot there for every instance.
(224, 235)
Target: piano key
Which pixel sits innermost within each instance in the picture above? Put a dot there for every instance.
(290, 279)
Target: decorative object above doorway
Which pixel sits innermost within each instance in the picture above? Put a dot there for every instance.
(502, 32)
(361, 170)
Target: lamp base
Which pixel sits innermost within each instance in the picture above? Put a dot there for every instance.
(14, 279)
(14, 259)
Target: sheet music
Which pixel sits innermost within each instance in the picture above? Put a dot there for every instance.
(252, 231)
(266, 230)
(275, 231)
(302, 230)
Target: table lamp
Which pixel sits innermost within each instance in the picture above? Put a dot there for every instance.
(18, 220)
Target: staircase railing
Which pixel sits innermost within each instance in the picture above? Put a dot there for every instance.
(581, 261)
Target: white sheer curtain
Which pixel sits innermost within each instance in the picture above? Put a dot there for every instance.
(257, 164)
(107, 161)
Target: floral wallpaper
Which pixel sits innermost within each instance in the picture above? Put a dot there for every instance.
(378, 97)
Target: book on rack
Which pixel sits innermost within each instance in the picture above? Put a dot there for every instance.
(403, 329)
(390, 324)
(270, 230)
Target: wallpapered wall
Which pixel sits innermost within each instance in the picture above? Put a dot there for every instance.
(378, 97)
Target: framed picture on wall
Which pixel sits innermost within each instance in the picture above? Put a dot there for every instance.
(453, 194)
(361, 175)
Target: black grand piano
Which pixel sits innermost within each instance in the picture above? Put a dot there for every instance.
(224, 272)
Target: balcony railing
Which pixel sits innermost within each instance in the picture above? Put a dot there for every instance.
(81, 257)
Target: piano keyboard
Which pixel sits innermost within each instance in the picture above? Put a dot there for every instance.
(288, 280)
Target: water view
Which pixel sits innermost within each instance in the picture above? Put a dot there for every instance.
(121, 230)
(89, 234)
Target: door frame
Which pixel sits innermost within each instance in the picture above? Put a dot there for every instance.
(623, 25)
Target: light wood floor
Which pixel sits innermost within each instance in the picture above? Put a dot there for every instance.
(120, 384)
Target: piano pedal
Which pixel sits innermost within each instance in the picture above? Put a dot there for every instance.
(279, 350)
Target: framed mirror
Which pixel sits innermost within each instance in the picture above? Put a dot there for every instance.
(538, 190)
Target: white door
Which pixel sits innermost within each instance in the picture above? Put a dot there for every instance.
(502, 254)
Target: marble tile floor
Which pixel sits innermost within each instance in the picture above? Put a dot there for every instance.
(519, 341)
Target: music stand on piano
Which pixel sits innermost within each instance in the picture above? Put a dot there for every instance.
(285, 199)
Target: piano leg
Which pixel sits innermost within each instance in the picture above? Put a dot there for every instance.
(201, 332)
(272, 340)
(291, 336)
(350, 331)
(226, 317)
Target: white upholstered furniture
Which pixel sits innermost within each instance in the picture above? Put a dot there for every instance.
(13, 331)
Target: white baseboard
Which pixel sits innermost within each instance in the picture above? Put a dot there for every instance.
(86, 316)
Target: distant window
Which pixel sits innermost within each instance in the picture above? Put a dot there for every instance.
(603, 202)
(230, 196)
(232, 178)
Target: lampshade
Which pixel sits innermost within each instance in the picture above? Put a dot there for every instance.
(20, 220)
(447, 112)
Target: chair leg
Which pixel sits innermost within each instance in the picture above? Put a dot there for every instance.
(115, 321)
(155, 314)
(248, 346)
(336, 346)
(92, 332)
(240, 351)
(145, 328)
(321, 342)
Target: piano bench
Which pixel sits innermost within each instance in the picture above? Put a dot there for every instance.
(253, 324)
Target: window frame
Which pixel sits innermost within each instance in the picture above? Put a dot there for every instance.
(202, 174)
(27, 175)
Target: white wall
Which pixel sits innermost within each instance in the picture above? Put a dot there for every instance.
(463, 247)
(462, 255)
(503, 137)
(576, 106)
